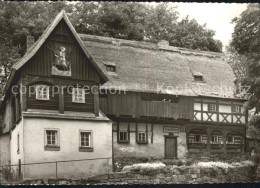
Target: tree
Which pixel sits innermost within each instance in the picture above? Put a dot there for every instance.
(245, 45)
(190, 34)
(244, 58)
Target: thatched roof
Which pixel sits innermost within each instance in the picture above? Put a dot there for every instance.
(148, 65)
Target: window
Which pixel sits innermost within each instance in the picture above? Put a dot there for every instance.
(18, 143)
(198, 78)
(230, 139)
(123, 136)
(198, 138)
(42, 92)
(51, 139)
(215, 139)
(141, 136)
(212, 107)
(236, 109)
(85, 139)
(110, 68)
(78, 95)
(123, 131)
(234, 140)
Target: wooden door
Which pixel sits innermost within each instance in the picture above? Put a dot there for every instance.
(170, 147)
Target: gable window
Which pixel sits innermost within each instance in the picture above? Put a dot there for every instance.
(78, 95)
(51, 139)
(212, 107)
(42, 92)
(86, 141)
(237, 109)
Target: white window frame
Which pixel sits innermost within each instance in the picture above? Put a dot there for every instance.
(215, 107)
(90, 139)
(233, 140)
(236, 109)
(45, 95)
(239, 138)
(138, 134)
(57, 138)
(215, 139)
(76, 98)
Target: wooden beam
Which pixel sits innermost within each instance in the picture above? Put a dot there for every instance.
(61, 100)
(224, 142)
(208, 140)
(16, 108)
(96, 102)
(23, 96)
(152, 133)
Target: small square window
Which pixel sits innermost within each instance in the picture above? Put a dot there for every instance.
(42, 92)
(212, 107)
(78, 95)
(123, 136)
(141, 136)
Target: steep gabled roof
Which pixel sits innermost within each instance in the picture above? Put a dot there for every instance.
(36, 46)
(145, 67)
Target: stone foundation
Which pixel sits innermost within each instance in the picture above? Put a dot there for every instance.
(168, 175)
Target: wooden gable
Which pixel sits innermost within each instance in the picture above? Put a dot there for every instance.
(42, 63)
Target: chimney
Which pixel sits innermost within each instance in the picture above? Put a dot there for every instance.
(163, 43)
(29, 41)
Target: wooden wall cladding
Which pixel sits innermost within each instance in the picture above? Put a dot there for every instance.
(132, 104)
(52, 104)
(41, 63)
(88, 106)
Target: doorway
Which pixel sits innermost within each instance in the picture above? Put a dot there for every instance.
(170, 147)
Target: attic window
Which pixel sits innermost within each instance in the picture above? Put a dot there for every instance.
(198, 77)
(110, 66)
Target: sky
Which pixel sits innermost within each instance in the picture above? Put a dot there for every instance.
(217, 16)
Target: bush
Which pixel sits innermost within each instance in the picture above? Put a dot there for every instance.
(144, 166)
(188, 163)
(179, 163)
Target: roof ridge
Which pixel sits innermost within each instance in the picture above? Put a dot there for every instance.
(148, 45)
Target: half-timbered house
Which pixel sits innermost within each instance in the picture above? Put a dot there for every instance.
(154, 101)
